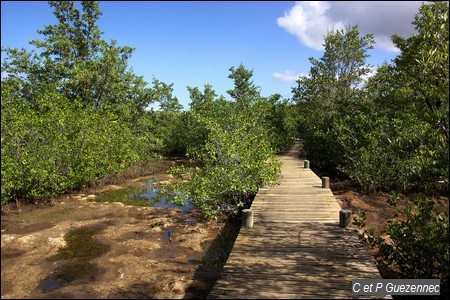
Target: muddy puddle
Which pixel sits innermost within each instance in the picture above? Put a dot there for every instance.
(153, 192)
(127, 241)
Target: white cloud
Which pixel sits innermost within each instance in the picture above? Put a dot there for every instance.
(309, 21)
(372, 72)
(287, 76)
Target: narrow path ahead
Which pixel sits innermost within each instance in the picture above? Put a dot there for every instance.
(296, 248)
(298, 198)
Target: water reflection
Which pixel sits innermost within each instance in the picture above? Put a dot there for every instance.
(149, 194)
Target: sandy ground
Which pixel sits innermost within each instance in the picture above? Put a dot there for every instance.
(77, 248)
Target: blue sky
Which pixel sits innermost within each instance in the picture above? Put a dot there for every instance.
(192, 43)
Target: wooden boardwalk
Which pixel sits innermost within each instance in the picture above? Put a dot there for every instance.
(296, 248)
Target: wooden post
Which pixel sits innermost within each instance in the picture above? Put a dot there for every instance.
(247, 218)
(325, 182)
(344, 217)
(306, 164)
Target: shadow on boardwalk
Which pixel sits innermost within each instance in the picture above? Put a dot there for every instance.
(296, 248)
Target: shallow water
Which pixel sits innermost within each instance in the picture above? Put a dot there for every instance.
(164, 242)
(149, 193)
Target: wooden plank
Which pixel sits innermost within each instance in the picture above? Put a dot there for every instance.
(294, 209)
(296, 248)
